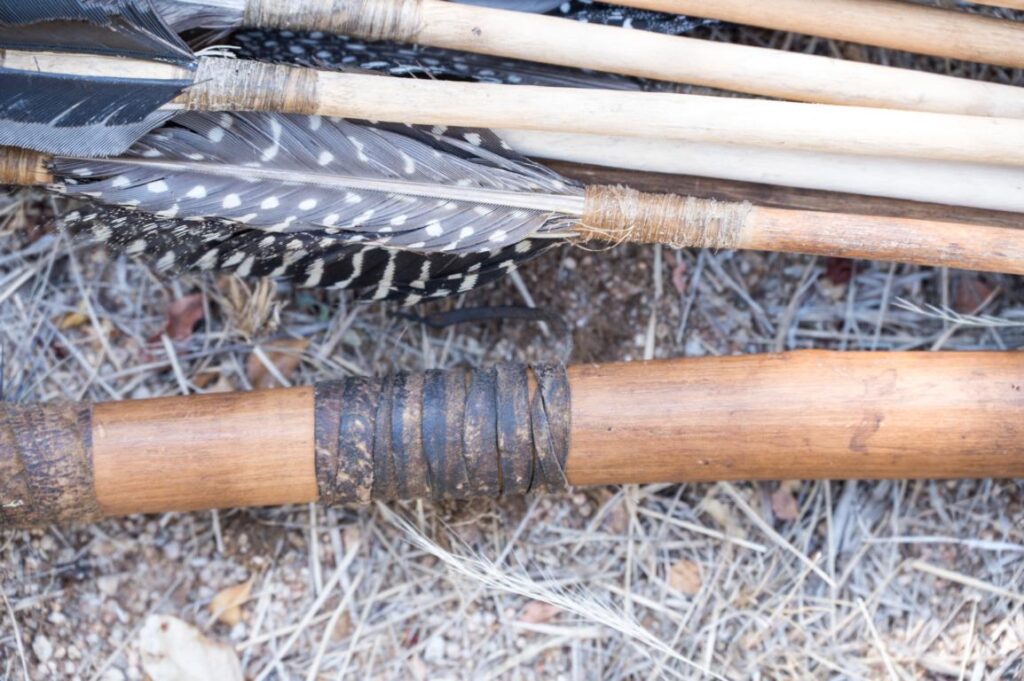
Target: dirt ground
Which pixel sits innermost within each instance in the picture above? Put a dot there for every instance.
(843, 580)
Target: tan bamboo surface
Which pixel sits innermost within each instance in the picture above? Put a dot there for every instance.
(645, 54)
(228, 84)
(798, 415)
(895, 24)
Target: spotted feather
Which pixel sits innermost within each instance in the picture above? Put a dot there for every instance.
(424, 190)
(174, 246)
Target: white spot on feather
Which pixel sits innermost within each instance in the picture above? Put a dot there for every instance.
(270, 153)
(331, 219)
(269, 203)
(314, 124)
(231, 201)
(434, 228)
(308, 204)
(167, 261)
(399, 220)
(120, 181)
(473, 138)
(215, 134)
(197, 192)
(136, 247)
(169, 212)
(325, 157)
(209, 259)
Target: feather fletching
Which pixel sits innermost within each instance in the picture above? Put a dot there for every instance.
(176, 246)
(399, 186)
(83, 114)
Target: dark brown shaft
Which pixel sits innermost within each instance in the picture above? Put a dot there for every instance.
(807, 414)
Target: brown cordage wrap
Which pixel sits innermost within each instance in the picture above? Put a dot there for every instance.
(457, 434)
(23, 167)
(620, 214)
(242, 85)
(46, 473)
(397, 20)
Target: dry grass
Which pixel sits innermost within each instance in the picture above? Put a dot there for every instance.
(906, 579)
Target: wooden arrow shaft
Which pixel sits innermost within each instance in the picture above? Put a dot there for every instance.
(805, 415)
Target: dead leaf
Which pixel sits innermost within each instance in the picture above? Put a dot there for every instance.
(784, 504)
(723, 516)
(182, 316)
(72, 320)
(970, 292)
(173, 650)
(538, 612)
(284, 355)
(684, 576)
(226, 606)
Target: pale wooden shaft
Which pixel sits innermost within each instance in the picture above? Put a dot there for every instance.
(816, 127)
(204, 451)
(774, 73)
(894, 24)
(799, 415)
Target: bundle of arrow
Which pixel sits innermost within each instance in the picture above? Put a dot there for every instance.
(183, 152)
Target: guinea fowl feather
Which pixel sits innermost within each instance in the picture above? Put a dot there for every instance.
(400, 186)
(394, 211)
(174, 246)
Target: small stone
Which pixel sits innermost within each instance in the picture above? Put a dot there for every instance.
(42, 647)
(108, 584)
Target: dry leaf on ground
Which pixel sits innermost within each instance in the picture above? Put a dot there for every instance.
(784, 504)
(285, 356)
(173, 650)
(538, 612)
(226, 606)
(684, 576)
(182, 316)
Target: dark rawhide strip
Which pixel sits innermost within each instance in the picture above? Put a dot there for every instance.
(442, 435)
(550, 428)
(46, 473)
(480, 435)
(515, 434)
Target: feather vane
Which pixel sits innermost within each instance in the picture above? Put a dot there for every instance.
(404, 187)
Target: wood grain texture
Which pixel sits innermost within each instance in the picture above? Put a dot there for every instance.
(894, 24)
(799, 415)
(932, 243)
(740, 68)
(205, 451)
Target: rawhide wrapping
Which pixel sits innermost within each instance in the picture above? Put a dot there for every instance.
(46, 473)
(443, 435)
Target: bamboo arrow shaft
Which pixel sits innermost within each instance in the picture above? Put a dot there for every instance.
(806, 415)
(886, 23)
(753, 70)
(227, 84)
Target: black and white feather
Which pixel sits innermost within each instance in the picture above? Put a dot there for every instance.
(84, 114)
(424, 190)
(173, 246)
